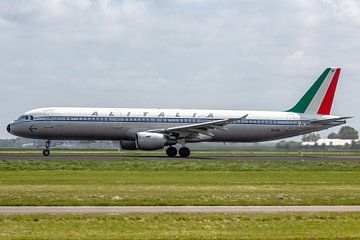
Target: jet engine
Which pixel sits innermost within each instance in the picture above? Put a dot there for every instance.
(128, 145)
(150, 141)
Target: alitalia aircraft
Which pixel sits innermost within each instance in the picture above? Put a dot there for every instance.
(151, 129)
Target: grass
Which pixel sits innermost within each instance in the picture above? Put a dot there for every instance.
(138, 164)
(178, 182)
(182, 226)
(135, 181)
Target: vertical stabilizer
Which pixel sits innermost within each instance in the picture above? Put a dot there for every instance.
(319, 98)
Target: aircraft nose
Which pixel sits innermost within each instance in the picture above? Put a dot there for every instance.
(8, 128)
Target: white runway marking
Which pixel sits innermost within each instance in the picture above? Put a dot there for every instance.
(173, 209)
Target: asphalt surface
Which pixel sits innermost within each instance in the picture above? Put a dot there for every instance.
(175, 209)
(163, 157)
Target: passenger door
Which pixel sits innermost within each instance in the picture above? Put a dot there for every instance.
(291, 123)
(117, 123)
(48, 122)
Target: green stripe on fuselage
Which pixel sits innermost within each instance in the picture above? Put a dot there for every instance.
(304, 102)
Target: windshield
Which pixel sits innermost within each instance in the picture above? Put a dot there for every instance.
(26, 117)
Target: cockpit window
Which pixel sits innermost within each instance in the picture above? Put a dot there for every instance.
(26, 117)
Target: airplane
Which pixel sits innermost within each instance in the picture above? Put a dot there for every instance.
(152, 129)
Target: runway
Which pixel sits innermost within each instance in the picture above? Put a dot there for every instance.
(174, 209)
(163, 157)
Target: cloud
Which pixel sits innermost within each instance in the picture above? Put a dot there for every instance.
(299, 58)
(204, 54)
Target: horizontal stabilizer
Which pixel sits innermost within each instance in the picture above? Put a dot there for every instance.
(330, 120)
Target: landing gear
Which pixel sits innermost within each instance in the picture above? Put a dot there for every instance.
(46, 151)
(171, 151)
(184, 152)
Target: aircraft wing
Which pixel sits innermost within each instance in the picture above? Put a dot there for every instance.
(198, 131)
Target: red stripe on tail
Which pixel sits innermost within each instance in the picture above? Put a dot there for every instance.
(325, 107)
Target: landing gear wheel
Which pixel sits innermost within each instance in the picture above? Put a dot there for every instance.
(46, 152)
(171, 152)
(184, 152)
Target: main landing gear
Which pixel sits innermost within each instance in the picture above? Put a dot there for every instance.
(46, 151)
(171, 151)
(184, 152)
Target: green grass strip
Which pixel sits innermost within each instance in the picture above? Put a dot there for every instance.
(182, 226)
(138, 164)
(155, 188)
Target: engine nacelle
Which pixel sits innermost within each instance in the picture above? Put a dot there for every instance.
(128, 145)
(150, 141)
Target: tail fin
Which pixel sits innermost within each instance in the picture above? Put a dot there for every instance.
(319, 98)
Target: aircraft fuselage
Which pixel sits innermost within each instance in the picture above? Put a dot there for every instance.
(124, 123)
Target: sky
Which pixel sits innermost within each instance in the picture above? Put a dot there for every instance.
(229, 54)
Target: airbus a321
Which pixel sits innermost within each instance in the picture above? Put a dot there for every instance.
(151, 129)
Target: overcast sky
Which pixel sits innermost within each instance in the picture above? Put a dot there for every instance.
(259, 55)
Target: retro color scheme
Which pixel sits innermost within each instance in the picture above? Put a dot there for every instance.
(151, 129)
(319, 98)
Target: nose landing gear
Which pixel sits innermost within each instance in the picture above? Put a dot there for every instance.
(46, 151)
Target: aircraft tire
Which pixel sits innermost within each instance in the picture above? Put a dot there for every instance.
(46, 152)
(184, 152)
(171, 151)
